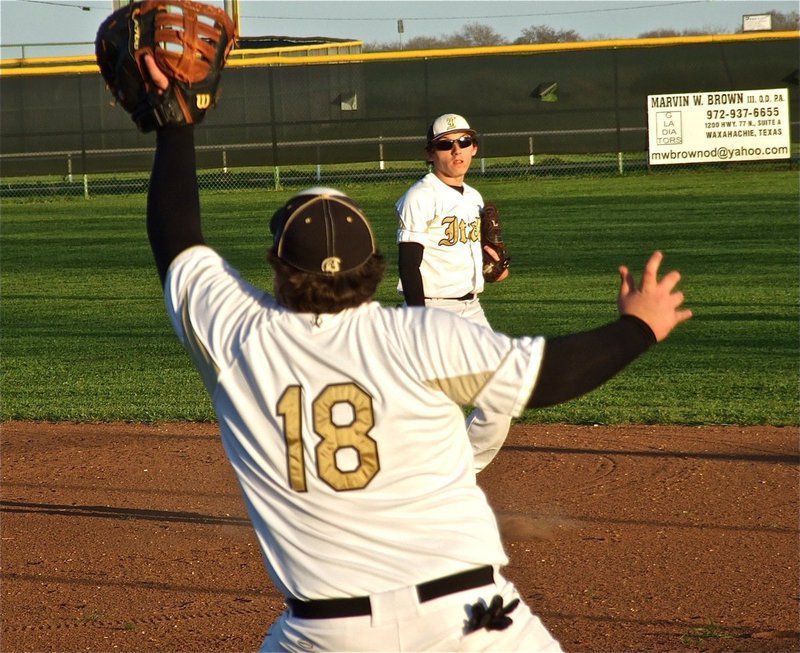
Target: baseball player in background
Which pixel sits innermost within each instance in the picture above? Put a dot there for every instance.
(342, 419)
(440, 254)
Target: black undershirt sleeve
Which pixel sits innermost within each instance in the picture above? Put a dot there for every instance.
(173, 199)
(410, 258)
(575, 364)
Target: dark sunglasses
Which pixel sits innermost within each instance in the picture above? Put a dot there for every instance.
(446, 144)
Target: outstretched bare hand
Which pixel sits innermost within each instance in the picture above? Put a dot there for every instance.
(656, 302)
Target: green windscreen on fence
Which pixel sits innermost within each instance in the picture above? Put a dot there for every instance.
(379, 110)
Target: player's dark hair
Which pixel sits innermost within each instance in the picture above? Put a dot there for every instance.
(316, 293)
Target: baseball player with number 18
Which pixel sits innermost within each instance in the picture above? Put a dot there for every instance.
(342, 419)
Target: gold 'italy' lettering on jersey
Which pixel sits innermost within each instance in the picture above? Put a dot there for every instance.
(459, 231)
(475, 231)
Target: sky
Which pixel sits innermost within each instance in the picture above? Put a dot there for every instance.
(43, 26)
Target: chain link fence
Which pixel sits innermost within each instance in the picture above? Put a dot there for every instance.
(215, 173)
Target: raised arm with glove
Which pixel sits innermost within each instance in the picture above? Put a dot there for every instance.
(189, 42)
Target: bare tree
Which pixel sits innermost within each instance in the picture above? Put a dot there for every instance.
(381, 46)
(477, 35)
(471, 35)
(425, 43)
(780, 22)
(663, 33)
(785, 22)
(546, 34)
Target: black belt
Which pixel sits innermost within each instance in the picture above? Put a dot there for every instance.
(359, 606)
(464, 298)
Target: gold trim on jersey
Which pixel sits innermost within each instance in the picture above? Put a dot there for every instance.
(461, 389)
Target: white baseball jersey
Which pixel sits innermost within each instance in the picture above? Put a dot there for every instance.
(447, 224)
(345, 430)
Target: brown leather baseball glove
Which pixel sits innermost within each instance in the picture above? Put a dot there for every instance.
(189, 42)
(495, 252)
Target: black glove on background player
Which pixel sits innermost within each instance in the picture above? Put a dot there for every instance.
(492, 237)
(189, 42)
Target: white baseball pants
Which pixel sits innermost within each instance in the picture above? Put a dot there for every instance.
(399, 622)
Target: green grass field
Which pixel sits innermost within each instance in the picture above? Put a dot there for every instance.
(85, 336)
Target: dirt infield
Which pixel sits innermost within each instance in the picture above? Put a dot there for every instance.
(121, 537)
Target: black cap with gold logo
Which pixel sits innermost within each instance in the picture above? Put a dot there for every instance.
(322, 231)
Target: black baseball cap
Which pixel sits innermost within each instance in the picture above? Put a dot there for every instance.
(322, 231)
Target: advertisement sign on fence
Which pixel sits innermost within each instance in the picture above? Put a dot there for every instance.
(713, 126)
